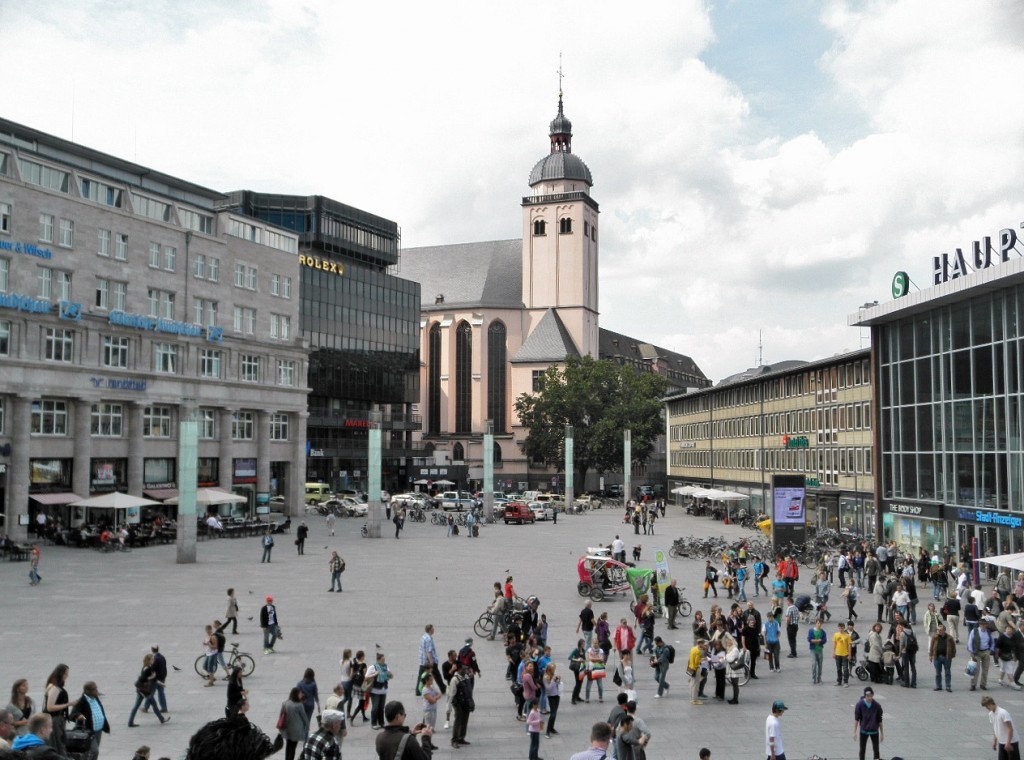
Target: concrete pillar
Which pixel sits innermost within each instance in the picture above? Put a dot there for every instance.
(262, 451)
(18, 475)
(375, 516)
(295, 497)
(135, 448)
(82, 421)
(226, 449)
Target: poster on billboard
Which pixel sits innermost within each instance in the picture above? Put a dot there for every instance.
(789, 505)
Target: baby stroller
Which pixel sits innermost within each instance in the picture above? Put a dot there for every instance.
(808, 609)
(861, 670)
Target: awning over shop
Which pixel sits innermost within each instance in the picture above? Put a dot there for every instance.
(160, 494)
(51, 499)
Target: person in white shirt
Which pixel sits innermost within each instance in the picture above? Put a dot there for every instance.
(619, 549)
(1005, 739)
(773, 748)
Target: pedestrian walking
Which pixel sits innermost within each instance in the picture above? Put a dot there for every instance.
(1005, 739)
(534, 725)
(270, 624)
(296, 723)
(56, 703)
(34, 578)
(773, 748)
(301, 534)
(941, 652)
(330, 522)
(268, 546)
(337, 566)
(88, 713)
(144, 693)
(841, 653)
(792, 625)
(231, 616)
(710, 578)
(867, 723)
(816, 643)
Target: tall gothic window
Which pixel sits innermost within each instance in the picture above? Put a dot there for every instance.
(434, 380)
(496, 372)
(463, 378)
(458, 453)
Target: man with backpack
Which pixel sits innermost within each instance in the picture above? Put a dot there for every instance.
(760, 573)
(710, 579)
(467, 659)
(908, 655)
(664, 655)
(460, 695)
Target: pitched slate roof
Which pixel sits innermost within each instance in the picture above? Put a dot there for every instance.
(549, 342)
(485, 274)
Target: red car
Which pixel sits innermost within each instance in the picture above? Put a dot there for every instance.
(516, 511)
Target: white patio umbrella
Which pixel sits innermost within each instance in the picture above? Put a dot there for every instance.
(212, 496)
(1015, 561)
(115, 500)
(421, 482)
(686, 490)
(443, 483)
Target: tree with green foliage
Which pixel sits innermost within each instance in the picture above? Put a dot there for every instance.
(600, 399)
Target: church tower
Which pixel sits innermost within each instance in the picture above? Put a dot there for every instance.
(560, 240)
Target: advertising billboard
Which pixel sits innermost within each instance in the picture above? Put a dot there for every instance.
(789, 507)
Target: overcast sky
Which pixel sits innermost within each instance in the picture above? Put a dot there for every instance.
(763, 166)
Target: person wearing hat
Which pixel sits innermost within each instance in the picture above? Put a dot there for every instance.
(467, 658)
(867, 723)
(269, 622)
(773, 748)
(323, 745)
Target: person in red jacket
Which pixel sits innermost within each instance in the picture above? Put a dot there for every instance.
(623, 639)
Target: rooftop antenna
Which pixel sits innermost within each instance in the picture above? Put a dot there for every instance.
(760, 349)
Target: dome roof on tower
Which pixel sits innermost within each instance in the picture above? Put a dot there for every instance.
(560, 166)
(560, 125)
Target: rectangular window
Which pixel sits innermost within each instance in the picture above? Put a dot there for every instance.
(5, 274)
(209, 362)
(242, 425)
(102, 293)
(538, 380)
(286, 372)
(44, 176)
(154, 255)
(170, 258)
(250, 278)
(5, 338)
(118, 295)
(151, 208)
(2, 415)
(46, 228)
(103, 242)
(286, 287)
(275, 284)
(121, 247)
(107, 420)
(156, 422)
(161, 303)
(279, 427)
(165, 357)
(58, 344)
(239, 275)
(213, 269)
(100, 192)
(115, 351)
(62, 286)
(205, 311)
(207, 424)
(49, 417)
(280, 327)
(245, 320)
(67, 233)
(5, 218)
(199, 267)
(249, 368)
(193, 220)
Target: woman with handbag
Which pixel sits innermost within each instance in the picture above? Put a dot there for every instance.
(751, 638)
(530, 689)
(293, 722)
(56, 703)
(595, 671)
(358, 695)
(144, 692)
(236, 692)
(734, 667)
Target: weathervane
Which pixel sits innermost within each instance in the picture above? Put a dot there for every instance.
(560, 75)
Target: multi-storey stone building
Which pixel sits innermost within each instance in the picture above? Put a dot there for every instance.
(127, 300)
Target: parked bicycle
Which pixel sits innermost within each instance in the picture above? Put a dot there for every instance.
(244, 659)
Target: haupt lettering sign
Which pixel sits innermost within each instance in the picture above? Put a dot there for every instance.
(989, 518)
(952, 266)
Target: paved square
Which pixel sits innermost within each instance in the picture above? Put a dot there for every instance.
(100, 613)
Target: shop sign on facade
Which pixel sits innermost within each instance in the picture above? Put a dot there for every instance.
(932, 511)
(984, 517)
(952, 266)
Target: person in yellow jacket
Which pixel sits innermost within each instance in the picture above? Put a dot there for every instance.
(693, 666)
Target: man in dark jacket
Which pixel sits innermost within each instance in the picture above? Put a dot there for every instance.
(89, 714)
(301, 533)
(672, 603)
(160, 668)
(395, 731)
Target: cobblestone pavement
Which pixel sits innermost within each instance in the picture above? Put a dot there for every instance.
(100, 613)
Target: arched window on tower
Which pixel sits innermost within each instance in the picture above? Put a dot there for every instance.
(497, 453)
(463, 378)
(458, 453)
(565, 226)
(539, 227)
(496, 377)
(434, 380)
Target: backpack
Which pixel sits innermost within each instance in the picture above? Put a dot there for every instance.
(911, 644)
(342, 565)
(466, 657)
(671, 654)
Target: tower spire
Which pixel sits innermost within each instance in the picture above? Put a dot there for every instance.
(561, 128)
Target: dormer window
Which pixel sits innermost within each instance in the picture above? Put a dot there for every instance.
(539, 227)
(565, 226)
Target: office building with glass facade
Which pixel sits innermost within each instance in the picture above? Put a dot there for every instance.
(361, 323)
(951, 405)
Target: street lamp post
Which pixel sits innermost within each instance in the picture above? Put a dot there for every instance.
(489, 471)
(569, 468)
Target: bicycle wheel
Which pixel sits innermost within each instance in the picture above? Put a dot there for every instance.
(364, 532)
(247, 663)
(484, 624)
(673, 552)
(685, 608)
(201, 666)
(745, 675)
